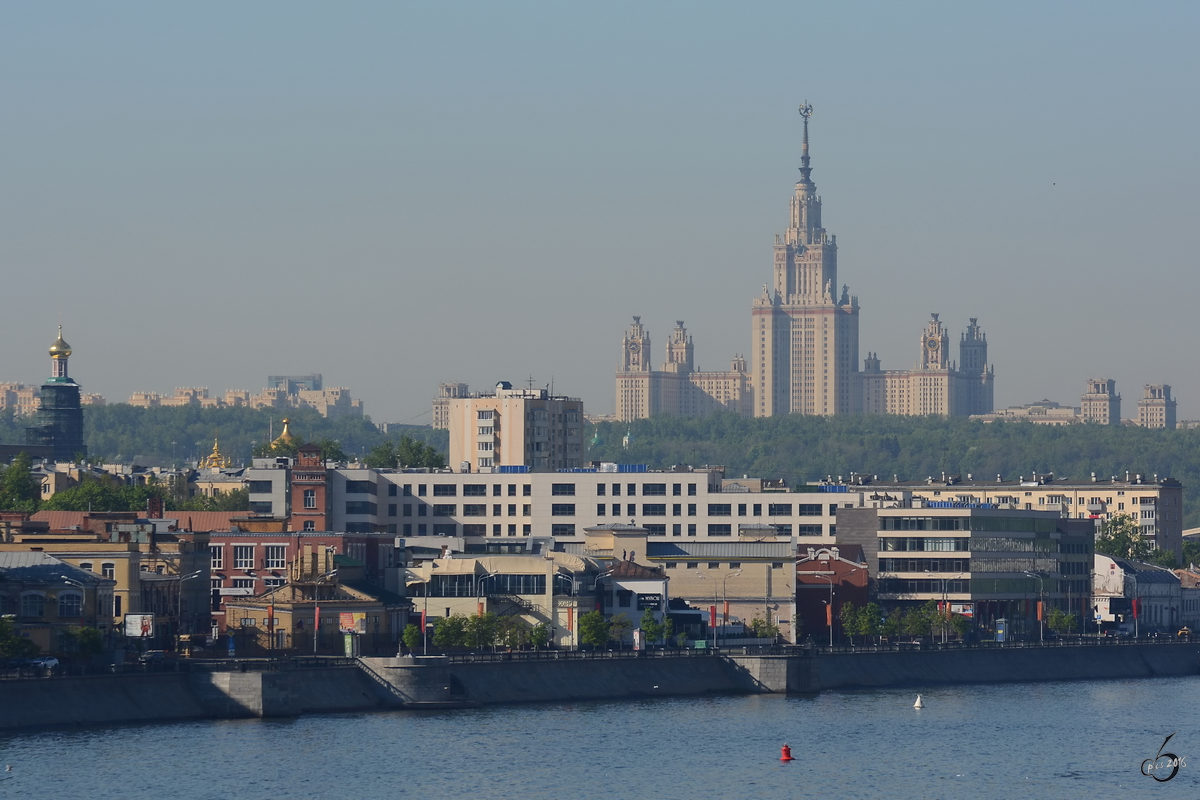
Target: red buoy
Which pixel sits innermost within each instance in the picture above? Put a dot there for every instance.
(785, 754)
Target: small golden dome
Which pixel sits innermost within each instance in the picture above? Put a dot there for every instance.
(286, 437)
(60, 348)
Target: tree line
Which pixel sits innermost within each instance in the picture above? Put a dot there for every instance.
(802, 449)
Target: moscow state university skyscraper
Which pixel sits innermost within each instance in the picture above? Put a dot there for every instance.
(805, 330)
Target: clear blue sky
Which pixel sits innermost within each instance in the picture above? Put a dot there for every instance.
(400, 194)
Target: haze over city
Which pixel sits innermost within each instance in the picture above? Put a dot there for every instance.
(422, 193)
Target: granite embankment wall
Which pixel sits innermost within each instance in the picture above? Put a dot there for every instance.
(433, 683)
(109, 699)
(994, 665)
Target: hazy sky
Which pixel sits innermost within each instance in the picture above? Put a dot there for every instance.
(397, 195)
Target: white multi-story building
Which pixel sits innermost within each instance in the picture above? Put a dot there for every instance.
(515, 427)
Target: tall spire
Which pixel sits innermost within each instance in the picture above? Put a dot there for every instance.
(806, 111)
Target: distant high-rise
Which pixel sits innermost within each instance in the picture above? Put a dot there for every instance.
(1101, 403)
(804, 335)
(59, 419)
(1157, 408)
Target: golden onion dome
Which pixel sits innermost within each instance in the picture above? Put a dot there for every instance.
(286, 437)
(60, 348)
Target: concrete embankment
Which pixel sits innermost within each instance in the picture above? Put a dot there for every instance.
(381, 683)
(994, 665)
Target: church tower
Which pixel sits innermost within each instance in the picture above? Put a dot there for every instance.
(59, 420)
(804, 332)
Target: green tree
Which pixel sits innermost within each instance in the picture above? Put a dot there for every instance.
(893, 625)
(20, 490)
(870, 620)
(412, 636)
(593, 629)
(917, 621)
(539, 635)
(482, 630)
(848, 615)
(650, 626)
(1060, 622)
(763, 629)
(668, 629)
(407, 452)
(618, 626)
(1122, 537)
(450, 632)
(512, 632)
(13, 645)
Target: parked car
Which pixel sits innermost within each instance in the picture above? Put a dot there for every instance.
(155, 658)
(1185, 633)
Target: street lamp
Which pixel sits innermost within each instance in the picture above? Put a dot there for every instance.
(724, 581)
(1041, 621)
(179, 607)
(945, 599)
(829, 578)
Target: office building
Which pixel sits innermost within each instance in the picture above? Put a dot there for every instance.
(515, 427)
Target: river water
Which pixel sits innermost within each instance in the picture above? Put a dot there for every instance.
(1043, 740)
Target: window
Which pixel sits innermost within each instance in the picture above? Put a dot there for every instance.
(310, 498)
(656, 530)
(779, 509)
(497, 510)
(741, 509)
(310, 525)
(407, 512)
(243, 556)
(527, 510)
(361, 507)
(273, 583)
(496, 490)
(408, 490)
(758, 509)
(714, 565)
(259, 487)
(810, 510)
(562, 510)
(600, 489)
(474, 509)
(276, 556)
(445, 510)
(243, 583)
(735, 565)
(693, 565)
(526, 530)
(360, 487)
(600, 509)
(475, 530)
(676, 509)
(445, 490)
(70, 604)
(691, 490)
(654, 489)
(86, 565)
(475, 490)
(676, 529)
(631, 489)
(562, 489)
(616, 492)
(391, 509)
(676, 489)
(512, 490)
(692, 530)
(217, 556)
(720, 510)
(720, 530)
(445, 530)
(562, 530)
(527, 490)
(33, 605)
(654, 509)
(691, 509)
(260, 507)
(632, 509)
(108, 570)
(391, 490)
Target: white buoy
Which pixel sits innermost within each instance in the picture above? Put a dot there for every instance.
(918, 704)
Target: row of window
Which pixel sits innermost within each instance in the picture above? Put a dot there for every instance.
(715, 565)
(275, 556)
(33, 604)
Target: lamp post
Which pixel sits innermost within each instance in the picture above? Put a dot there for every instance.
(724, 582)
(829, 578)
(1041, 622)
(945, 599)
(179, 606)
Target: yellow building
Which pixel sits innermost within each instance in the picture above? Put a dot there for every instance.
(515, 427)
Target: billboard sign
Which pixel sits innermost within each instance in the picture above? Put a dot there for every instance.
(651, 601)
(139, 626)
(963, 609)
(352, 622)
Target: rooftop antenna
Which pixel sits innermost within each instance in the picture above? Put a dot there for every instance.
(530, 382)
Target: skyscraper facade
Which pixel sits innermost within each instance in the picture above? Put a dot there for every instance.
(804, 334)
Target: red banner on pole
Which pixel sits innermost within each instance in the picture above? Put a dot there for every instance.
(571, 619)
(712, 616)
(1039, 610)
(725, 618)
(1135, 607)
(422, 623)
(829, 616)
